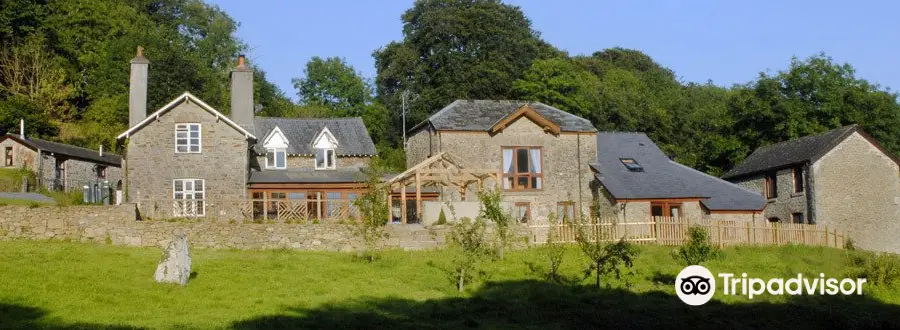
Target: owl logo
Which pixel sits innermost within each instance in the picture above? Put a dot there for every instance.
(695, 285)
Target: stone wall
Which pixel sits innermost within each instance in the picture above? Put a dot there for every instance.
(152, 163)
(857, 190)
(116, 225)
(309, 162)
(786, 202)
(566, 175)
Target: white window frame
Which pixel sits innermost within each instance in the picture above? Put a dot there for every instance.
(187, 128)
(332, 159)
(276, 151)
(188, 207)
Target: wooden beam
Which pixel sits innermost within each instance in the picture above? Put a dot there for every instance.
(390, 208)
(403, 205)
(418, 196)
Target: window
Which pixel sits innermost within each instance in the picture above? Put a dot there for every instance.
(324, 159)
(296, 195)
(352, 208)
(9, 156)
(797, 218)
(665, 209)
(523, 212)
(631, 164)
(771, 185)
(101, 172)
(276, 158)
(565, 211)
(774, 219)
(798, 179)
(274, 199)
(522, 168)
(187, 138)
(189, 197)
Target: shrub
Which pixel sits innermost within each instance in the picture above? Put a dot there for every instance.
(849, 245)
(698, 248)
(881, 269)
(374, 211)
(442, 218)
(606, 257)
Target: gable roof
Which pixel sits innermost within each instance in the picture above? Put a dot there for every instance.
(794, 152)
(662, 177)
(182, 98)
(351, 134)
(484, 115)
(67, 150)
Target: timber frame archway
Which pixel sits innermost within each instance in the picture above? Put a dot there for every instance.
(441, 170)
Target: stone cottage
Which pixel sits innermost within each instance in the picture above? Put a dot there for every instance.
(189, 159)
(841, 179)
(61, 166)
(635, 181)
(538, 153)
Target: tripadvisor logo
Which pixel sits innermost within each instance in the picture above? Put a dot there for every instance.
(695, 285)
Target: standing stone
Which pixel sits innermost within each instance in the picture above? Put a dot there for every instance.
(176, 264)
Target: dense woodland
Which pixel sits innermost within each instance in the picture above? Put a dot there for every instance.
(64, 68)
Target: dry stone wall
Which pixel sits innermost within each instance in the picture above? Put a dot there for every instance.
(117, 225)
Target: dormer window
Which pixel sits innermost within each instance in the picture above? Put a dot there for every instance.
(276, 158)
(276, 149)
(325, 159)
(325, 143)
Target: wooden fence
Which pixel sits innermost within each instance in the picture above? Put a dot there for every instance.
(279, 211)
(672, 231)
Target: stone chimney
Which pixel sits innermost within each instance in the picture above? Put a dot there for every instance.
(242, 95)
(137, 88)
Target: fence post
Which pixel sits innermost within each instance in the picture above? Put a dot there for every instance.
(775, 233)
(835, 238)
(748, 233)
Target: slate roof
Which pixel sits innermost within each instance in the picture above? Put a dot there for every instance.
(791, 152)
(351, 134)
(307, 176)
(662, 177)
(481, 115)
(68, 150)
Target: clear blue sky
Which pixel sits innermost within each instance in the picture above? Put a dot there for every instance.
(727, 42)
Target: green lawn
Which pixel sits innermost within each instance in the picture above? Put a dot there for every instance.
(73, 285)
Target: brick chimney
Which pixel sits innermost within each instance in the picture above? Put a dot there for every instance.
(242, 95)
(137, 88)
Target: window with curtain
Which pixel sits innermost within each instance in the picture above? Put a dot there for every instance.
(522, 168)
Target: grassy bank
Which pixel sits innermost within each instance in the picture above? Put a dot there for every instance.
(64, 285)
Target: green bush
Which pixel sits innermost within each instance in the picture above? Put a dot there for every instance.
(442, 218)
(881, 269)
(698, 248)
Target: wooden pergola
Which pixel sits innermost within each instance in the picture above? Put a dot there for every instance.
(441, 170)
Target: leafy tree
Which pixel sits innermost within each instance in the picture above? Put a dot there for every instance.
(468, 245)
(605, 253)
(373, 208)
(333, 83)
(493, 211)
(37, 123)
(812, 96)
(452, 49)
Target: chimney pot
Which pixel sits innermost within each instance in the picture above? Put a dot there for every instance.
(21, 128)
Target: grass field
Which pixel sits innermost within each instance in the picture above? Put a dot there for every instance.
(74, 285)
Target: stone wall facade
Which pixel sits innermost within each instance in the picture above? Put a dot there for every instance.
(857, 190)
(309, 162)
(566, 175)
(76, 172)
(787, 202)
(152, 163)
(117, 225)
